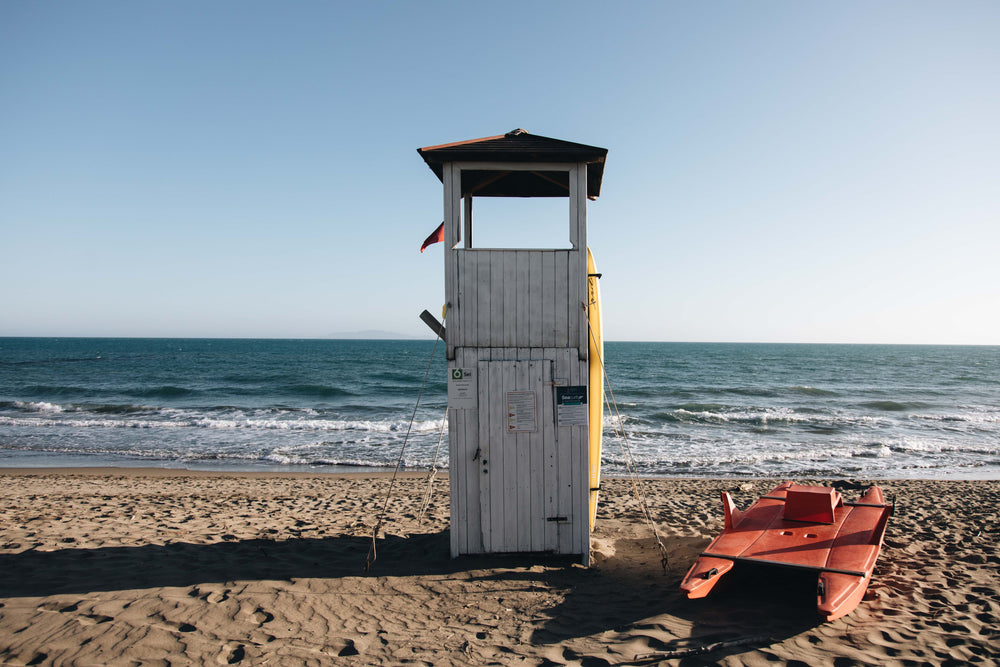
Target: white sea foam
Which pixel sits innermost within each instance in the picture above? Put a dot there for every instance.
(40, 406)
(179, 421)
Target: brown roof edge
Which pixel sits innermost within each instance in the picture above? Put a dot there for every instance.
(460, 143)
(511, 144)
(520, 146)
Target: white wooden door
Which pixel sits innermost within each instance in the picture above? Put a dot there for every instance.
(519, 462)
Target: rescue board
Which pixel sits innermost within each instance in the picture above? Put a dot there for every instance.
(595, 398)
(807, 527)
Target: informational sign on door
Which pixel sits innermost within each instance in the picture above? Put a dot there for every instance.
(521, 412)
(462, 388)
(571, 405)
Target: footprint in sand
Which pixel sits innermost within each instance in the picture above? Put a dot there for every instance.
(212, 597)
(343, 647)
(93, 619)
(231, 654)
(172, 626)
(260, 617)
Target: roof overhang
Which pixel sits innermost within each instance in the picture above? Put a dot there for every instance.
(523, 148)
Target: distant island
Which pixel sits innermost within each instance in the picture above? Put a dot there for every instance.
(373, 334)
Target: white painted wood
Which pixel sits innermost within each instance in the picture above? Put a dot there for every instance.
(467, 226)
(561, 306)
(517, 317)
(497, 282)
(522, 283)
(509, 315)
(483, 502)
(496, 461)
(456, 474)
(474, 458)
(451, 179)
(512, 298)
(534, 328)
(549, 299)
(535, 478)
(517, 166)
(575, 202)
(513, 380)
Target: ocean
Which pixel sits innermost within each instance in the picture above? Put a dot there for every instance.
(683, 409)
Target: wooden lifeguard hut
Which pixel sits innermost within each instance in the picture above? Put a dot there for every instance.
(523, 346)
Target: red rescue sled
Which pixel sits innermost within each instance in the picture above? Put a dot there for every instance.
(808, 527)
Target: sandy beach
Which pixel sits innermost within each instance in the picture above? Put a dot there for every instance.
(163, 567)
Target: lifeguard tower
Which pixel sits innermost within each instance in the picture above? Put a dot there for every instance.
(523, 345)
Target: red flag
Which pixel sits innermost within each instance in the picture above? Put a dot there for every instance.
(437, 236)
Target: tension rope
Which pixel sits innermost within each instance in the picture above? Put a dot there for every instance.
(432, 473)
(373, 551)
(638, 490)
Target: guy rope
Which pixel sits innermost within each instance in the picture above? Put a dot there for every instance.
(372, 551)
(638, 489)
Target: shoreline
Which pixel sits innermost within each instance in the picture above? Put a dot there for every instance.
(442, 473)
(115, 566)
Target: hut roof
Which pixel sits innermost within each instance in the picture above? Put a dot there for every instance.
(518, 146)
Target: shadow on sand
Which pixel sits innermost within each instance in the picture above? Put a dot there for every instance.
(623, 598)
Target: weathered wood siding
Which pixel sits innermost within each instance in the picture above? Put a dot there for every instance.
(518, 492)
(518, 298)
(518, 318)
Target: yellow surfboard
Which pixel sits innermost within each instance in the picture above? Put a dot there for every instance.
(595, 398)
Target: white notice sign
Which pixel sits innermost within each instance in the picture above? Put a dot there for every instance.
(462, 388)
(521, 412)
(571, 406)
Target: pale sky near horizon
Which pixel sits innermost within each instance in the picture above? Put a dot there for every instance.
(777, 171)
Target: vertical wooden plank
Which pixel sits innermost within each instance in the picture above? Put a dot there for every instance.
(569, 480)
(471, 491)
(581, 179)
(467, 503)
(567, 440)
(460, 524)
(455, 472)
(525, 442)
(461, 448)
(470, 282)
(534, 300)
(471, 301)
(535, 460)
(467, 227)
(485, 463)
(549, 297)
(522, 336)
(511, 382)
(509, 299)
(581, 479)
(483, 292)
(576, 284)
(578, 276)
(560, 302)
(543, 379)
(574, 205)
(452, 279)
(498, 456)
(497, 279)
(550, 480)
(470, 297)
(459, 320)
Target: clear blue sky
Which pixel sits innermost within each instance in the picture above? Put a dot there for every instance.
(778, 171)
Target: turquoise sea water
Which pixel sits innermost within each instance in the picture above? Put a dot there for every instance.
(687, 409)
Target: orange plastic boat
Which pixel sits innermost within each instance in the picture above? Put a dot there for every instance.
(808, 527)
